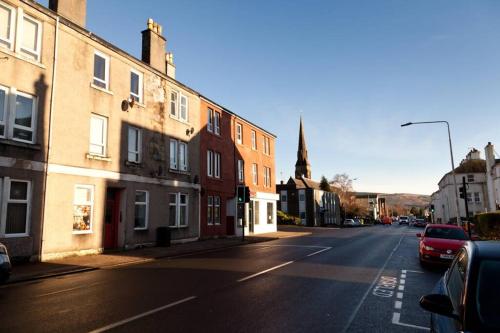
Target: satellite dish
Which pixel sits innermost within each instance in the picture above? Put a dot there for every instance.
(124, 105)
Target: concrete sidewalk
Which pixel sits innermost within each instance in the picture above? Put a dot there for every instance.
(72, 265)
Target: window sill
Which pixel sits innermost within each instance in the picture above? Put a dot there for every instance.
(180, 120)
(180, 172)
(20, 144)
(141, 229)
(134, 165)
(15, 235)
(178, 226)
(215, 178)
(84, 232)
(21, 57)
(109, 92)
(98, 157)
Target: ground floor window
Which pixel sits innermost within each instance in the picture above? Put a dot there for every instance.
(83, 206)
(270, 213)
(15, 206)
(141, 210)
(256, 212)
(213, 209)
(178, 210)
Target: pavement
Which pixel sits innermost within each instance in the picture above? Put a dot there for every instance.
(77, 264)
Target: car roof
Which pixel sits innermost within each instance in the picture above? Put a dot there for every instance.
(486, 249)
(444, 226)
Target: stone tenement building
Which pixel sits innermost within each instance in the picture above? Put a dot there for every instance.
(98, 148)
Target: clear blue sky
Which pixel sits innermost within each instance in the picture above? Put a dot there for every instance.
(355, 70)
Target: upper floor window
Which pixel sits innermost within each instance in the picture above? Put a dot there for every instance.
(98, 135)
(178, 155)
(241, 171)
(31, 37)
(255, 175)
(136, 85)
(14, 218)
(184, 108)
(213, 164)
(134, 144)
(267, 177)
(101, 70)
(178, 106)
(239, 133)
(210, 120)
(267, 149)
(470, 178)
(17, 119)
(7, 26)
(477, 198)
(254, 140)
(216, 122)
(173, 103)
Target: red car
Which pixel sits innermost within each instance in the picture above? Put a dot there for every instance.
(440, 242)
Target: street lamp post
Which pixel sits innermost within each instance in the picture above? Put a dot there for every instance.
(452, 163)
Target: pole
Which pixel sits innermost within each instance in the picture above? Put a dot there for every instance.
(459, 222)
(466, 206)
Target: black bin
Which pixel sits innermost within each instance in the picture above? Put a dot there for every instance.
(163, 236)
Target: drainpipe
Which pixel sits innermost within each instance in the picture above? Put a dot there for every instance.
(49, 143)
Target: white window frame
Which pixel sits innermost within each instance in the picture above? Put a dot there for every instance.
(13, 98)
(267, 177)
(178, 206)
(216, 165)
(241, 171)
(210, 120)
(184, 106)
(266, 144)
(106, 71)
(210, 163)
(5, 111)
(178, 162)
(32, 54)
(239, 133)
(210, 210)
(255, 174)
(470, 178)
(174, 158)
(217, 119)
(139, 95)
(104, 136)
(216, 206)
(90, 203)
(183, 160)
(174, 103)
(9, 42)
(5, 199)
(254, 140)
(477, 197)
(142, 203)
(137, 153)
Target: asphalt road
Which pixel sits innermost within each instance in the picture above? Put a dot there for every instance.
(334, 280)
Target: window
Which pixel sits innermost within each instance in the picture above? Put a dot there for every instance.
(178, 155)
(267, 177)
(101, 70)
(173, 103)
(256, 211)
(302, 197)
(210, 163)
(267, 149)
(213, 210)
(18, 118)
(98, 133)
(239, 134)
(173, 154)
(241, 171)
(477, 198)
(255, 177)
(217, 123)
(178, 213)
(15, 207)
(470, 178)
(136, 86)
(210, 120)
(134, 144)
(270, 213)
(3, 109)
(183, 156)
(254, 140)
(217, 165)
(141, 210)
(284, 198)
(184, 108)
(30, 37)
(469, 197)
(456, 278)
(83, 205)
(7, 26)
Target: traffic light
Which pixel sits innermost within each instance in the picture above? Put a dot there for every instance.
(247, 194)
(432, 208)
(241, 194)
(461, 189)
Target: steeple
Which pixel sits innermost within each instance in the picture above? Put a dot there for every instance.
(302, 166)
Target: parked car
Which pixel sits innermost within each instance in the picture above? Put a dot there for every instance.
(440, 242)
(420, 223)
(403, 220)
(5, 265)
(387, 220)
(466, 299)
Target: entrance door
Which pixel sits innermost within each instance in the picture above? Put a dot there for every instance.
(111, 218)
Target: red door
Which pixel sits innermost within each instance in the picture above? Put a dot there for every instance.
(111, 219)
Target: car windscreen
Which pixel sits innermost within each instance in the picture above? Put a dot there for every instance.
(446, 233)
(488, 294)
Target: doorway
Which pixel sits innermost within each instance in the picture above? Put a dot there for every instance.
(111, 218)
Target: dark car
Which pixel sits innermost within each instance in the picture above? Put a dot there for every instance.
(467, 298)
(419, 223)
(5, 266)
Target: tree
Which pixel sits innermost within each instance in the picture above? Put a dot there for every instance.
(342, 185)
(324, 185)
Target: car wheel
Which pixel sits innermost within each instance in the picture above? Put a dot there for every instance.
(3, 277)
(423, 264)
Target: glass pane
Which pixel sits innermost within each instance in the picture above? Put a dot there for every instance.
(183, 215)
(140, 216)
(171, 216)
(132, 139)
(16, 218)
(140, 196)
(23, 134)
(96, 149)
(18, 190)
(5, 23)
(99, 67)
(100, 83)
(2, 104)
(173, 198)
(2, 130)
(82, 195)
(30, 33)
(81, 217)
(134, 83)
(97, 130)
(173, 103)
(133, 157)
(183, 198)
(24, 109)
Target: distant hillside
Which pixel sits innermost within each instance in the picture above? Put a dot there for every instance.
(407, 200)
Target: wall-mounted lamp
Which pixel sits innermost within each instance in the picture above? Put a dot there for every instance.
(189, 131)
(126, 103)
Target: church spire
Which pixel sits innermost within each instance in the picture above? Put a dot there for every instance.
(302, 166)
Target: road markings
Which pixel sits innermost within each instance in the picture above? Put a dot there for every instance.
(385, 286)
(403, 276)
(398, 304)
(265, 271)
(395, 320)
(399, 295)
(290, 245)
(69, 289)
(401, 288)
(318, 252)
(142, 315)
(402, 281)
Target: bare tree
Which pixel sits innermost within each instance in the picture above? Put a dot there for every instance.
(342, 185)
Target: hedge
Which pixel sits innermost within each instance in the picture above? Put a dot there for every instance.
(284, 218)
(488, 225)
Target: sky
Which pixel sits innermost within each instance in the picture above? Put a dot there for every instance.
(355, 71)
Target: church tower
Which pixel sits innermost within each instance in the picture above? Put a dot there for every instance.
(302, 166)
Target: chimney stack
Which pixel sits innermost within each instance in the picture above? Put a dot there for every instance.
(169, 59)
(153, 46)
(73, 10)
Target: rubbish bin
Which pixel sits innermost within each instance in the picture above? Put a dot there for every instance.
(163, 236)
